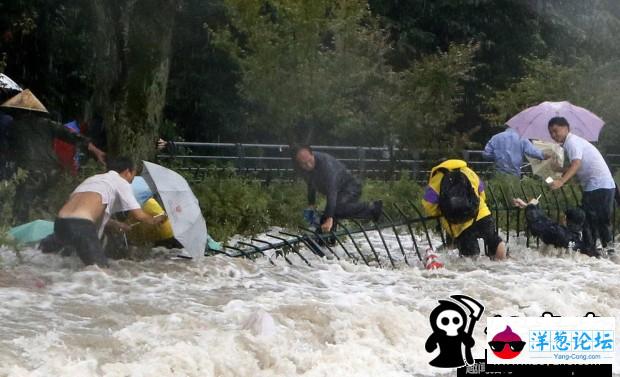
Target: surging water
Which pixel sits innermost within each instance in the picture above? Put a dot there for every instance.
(233, 317)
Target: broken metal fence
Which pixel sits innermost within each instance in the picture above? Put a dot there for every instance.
(403, 234)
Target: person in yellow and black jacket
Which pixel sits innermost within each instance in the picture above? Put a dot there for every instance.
(464, 228)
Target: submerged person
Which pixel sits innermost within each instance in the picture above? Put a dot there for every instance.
(456, 194)
(550, 232)
(81, 220)
(325, 174)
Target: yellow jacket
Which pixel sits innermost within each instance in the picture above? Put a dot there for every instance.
(142, 233)
(430, 202)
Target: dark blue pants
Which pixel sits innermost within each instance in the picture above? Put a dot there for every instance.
(598, 206)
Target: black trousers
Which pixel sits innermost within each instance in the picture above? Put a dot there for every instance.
(598, 206)
(81, 234)
(348, 205)
(467, 241)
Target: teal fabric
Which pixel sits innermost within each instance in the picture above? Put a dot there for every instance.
(213, 245)
(33, 231)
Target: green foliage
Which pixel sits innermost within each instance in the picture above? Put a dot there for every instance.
(328, 71)
(431, 93)
(318, 71)
(393, 192)
(235, 205)
(7, 195)
(545, 80)
(585, 84)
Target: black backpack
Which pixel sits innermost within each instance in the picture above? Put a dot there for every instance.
(458, 201)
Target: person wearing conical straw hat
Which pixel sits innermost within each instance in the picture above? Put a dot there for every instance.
(31, 139)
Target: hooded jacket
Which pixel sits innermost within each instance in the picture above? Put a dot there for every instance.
(430, 201)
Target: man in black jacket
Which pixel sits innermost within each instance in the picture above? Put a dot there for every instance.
(325, 174)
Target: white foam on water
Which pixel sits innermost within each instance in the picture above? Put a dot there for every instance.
(234, 317)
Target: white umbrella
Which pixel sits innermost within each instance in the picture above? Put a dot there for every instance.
(181, 206)
(8, 84)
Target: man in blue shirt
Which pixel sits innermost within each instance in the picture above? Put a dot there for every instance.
(507, 149)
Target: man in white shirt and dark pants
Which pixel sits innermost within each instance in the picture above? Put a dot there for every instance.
(587, 163)
(81, 220)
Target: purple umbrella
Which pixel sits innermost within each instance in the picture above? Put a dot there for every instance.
(532, 122)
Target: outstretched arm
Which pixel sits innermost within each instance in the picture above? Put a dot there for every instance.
(568, 174)
(98, 153)
(530, 150)
(144, 217)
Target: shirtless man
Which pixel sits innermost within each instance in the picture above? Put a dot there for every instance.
(81, 220)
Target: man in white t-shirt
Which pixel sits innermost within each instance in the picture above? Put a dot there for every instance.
(587, 163)
(81, 220)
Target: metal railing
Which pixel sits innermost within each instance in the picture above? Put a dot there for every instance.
(410, 231)
(268, 161)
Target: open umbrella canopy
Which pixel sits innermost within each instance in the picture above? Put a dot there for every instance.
(7, 84)
(33, 231)
(8, 87)
(532, 122)
(25, 100)
(181, 206)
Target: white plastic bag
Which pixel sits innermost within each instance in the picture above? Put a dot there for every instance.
(543, 168)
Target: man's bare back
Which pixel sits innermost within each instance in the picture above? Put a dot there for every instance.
(83, 205)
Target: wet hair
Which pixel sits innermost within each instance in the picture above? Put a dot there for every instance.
(575, 217)
(558, 121)
(296, 148)
(120, 164)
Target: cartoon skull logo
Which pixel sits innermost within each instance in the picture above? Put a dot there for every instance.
(451, 322)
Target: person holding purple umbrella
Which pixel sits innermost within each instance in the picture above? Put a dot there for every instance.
(587, 163)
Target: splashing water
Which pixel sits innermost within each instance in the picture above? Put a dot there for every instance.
(234, 317)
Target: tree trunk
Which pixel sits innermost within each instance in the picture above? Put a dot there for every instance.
(132, 48)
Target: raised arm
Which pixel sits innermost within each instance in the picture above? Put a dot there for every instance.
(530, 150)
(63, 133)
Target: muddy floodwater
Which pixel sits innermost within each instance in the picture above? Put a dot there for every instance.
(232, 317)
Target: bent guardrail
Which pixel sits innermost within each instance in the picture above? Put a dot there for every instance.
(410, 230)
